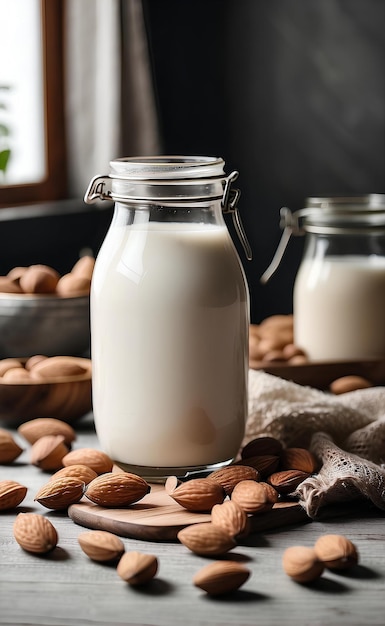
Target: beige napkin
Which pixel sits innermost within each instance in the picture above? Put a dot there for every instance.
(345, 432)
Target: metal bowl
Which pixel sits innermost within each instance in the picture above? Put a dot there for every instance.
(43, 324)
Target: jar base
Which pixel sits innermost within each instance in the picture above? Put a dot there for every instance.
(160, 474)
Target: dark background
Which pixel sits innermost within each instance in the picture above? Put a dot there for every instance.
(289, 92)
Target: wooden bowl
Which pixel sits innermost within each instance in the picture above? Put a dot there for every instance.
(64, 397)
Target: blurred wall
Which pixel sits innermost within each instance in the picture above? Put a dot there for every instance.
(288, 92)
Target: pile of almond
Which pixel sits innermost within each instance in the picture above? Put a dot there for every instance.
(43, 279)
(272, 341)
(265, 473)
(40, 368)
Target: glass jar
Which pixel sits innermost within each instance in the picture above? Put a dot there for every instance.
(169, 318)
(339, 290)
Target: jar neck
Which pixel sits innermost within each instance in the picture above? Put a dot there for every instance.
(358, 244)
(127, 214)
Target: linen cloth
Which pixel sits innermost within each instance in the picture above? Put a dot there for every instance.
(346, 433)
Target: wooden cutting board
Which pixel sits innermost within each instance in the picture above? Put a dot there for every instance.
(157, 517)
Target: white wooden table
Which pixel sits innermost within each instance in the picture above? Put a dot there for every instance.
(66, 588)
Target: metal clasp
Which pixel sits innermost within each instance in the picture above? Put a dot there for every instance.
(229, 205)
(289, 222)
(98, 189)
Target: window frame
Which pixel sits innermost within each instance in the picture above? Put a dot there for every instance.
(54, 184)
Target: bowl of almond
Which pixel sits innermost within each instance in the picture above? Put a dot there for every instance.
(42, 386)
(43, 312)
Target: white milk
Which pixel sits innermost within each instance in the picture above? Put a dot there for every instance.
(169, 324)
(339, 308)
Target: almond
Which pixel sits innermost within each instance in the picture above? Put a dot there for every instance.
(9, 286)
(231, 518)
(137, 568)
(11, 494)
(36, 428)
(272, 494)
(250, 496)
(39, 279)
(115, 490)
(16, 376)
(81, 472)
(264, 464)
(336, 551)
(10, 363)
(48, 452)
(97, 460)
(172, 482)
(302, 564)
(60, 493)
(298, 459)
(287, 481)
(35, 533)
(100, 545)
(33, 360)
(229, 476)
(261, 446)
(346, 384)
(206, 539)
(198, 494)
(58, 367)
(221, 577)
(9, 449)
(84, 266)
(71, 285)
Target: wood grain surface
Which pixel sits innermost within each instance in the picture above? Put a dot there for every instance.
(157, 517)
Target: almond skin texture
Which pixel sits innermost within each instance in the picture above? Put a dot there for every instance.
(262, 446)
(206, 539)
(137, 568)
(100, 545)
(302, 564)
(298, 459)
(229, 476)
(60, 493)
(11, 494)
(97, 460)
(48, 452)
(116, 490)
(9, 449)
(35, 533)
(36, 428)
(81, 472)
(221, 577)
(199, 494)
(336, 552)
(264, 464)
(287, 481)
(251, 497)
(231, 518)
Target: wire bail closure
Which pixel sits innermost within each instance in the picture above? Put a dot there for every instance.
(100, 189)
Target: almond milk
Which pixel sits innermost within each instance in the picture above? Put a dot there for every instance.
(339, 308)
(169, 324)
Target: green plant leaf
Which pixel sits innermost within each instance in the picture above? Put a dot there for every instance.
(4, 158)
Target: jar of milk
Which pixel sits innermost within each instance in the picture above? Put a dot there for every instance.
(169, 317)
(339, 291)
